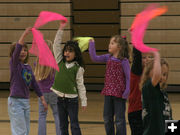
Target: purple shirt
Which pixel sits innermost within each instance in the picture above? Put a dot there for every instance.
(105, 58)
(21, 77)
(46, 84)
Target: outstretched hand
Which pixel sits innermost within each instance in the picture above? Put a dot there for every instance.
(62, 25)
(91, 40)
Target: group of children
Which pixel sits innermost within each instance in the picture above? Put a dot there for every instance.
(147, 77)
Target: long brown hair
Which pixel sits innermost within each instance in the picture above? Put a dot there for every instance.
(123, 43)
(42, 72)
(12, 48)
(146, 73)
(147, 70)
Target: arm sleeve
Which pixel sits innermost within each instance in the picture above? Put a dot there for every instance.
(137, 62)
(15, 57)
(81, 87)
(57, 46)
(126, 69)
(94, 57)
(35, 86)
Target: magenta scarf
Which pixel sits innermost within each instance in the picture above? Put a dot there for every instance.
(140, 24)
(39, 46)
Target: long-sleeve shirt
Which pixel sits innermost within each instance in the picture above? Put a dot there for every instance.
(57, 48)
(124, 80)
(135, 103)
(21, 77)
(47, 83)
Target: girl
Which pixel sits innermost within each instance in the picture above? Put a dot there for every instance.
(167, 110)
(68, 83)
(21, 79)
(116, 89)
(45, 77)
(154, 75)
(135, 103)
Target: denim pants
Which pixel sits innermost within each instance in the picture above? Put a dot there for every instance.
(114, 106)
(51, 99)
(136, 122)
(68, 107)
(19, 114)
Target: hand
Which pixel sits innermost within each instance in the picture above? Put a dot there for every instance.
(62, 25)
(125, 94)
(45, 105)
(27, 31)
(83, 108)
(91, 40)
(129, 30)
(155, 53)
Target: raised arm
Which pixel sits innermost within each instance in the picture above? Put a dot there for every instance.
(18, 47)
(57, 46)
(136, 67)
(156, 71)
(126, 69)
(94, 57)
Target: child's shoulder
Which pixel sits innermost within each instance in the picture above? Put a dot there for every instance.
(125, 60)
(148, 85)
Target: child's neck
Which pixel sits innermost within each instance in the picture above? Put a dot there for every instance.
(22, 61)
(115, 55)
(69, 62)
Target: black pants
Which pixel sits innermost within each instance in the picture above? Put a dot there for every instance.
(68, 107)
(136, 123)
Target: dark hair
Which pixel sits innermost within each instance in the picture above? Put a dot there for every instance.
(12, 48)
(125, 49)
(73, 45)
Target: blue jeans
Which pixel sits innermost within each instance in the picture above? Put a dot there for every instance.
(51, 99)
(114, 106)
(19, 114)
(68, 107)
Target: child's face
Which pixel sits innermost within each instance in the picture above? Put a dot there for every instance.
(113, 47)
(69, 54)
(164, 74)
(146, 57)
(23, 54)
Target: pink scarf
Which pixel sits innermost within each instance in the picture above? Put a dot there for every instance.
(140, 24)
(39, 46)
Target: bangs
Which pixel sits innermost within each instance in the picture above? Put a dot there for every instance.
(69, 48)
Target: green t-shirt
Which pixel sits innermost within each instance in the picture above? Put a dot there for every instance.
(152, 100)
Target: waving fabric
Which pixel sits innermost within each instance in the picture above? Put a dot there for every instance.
(39, 46)
(140, 24)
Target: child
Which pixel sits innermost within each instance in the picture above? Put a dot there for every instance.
(45, 77)
(68, 83)
(116, 89)
(167, 111)
(21, 79)
(135, 103)
(154, 75)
